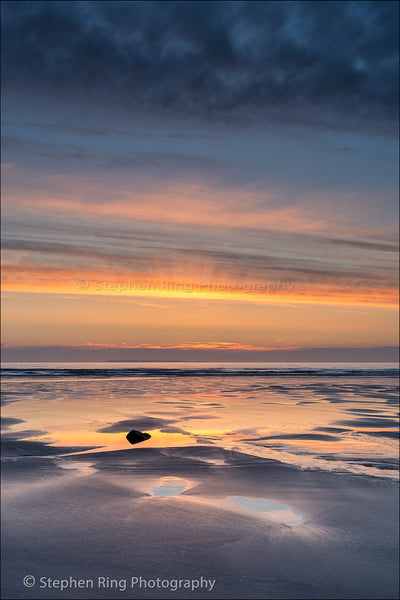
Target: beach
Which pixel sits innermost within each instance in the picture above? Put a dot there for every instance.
(251, 486)
(200, 393)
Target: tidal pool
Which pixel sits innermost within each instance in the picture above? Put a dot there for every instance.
(262, 507)
(170, 486)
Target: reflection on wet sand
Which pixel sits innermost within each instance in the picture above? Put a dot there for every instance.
(331, 423)
(169, 486)
(219, 489)
(264, 508)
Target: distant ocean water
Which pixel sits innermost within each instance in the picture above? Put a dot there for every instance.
(197, 369)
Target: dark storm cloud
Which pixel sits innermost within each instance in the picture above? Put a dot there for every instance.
(330, 63)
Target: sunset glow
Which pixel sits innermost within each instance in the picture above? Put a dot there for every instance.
(225, 226)
(199, 299)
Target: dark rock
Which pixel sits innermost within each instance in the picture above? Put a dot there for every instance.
(135, 437)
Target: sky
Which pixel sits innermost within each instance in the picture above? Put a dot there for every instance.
(199, 180)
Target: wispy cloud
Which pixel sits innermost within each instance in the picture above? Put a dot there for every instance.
(221, 174)
(151, 259)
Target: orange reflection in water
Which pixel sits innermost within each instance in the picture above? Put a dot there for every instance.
(113, 441)
(256, 415)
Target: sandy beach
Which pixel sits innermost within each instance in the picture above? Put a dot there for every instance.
(213, 516)
(200, 393)
(106, 520)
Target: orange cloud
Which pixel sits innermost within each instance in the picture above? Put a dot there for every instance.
(187, 346)
(182, 201)
(49, 280)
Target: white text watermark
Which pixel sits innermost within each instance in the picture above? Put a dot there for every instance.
(121, 585)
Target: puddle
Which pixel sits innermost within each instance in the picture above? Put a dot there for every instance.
(170, 486)
(262, 507)
(84, 467)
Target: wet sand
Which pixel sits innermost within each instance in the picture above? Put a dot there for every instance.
(260, 486)
(256, 527)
